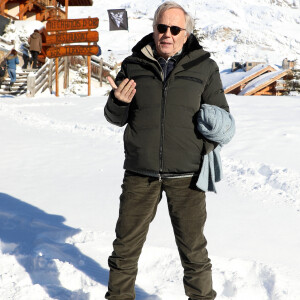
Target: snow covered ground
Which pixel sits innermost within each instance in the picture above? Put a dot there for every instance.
(60, 176)
(61, 171)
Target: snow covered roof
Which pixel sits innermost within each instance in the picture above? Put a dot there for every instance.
(263, 81)
(232, 80)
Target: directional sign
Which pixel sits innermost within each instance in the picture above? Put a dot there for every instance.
(72, 37)
(72, 24)
(71, 50)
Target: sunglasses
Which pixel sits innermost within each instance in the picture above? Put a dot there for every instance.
(162, 28)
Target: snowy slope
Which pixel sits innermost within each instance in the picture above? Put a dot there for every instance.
(233, 30)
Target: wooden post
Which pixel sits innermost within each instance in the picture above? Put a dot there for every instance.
(50, 75)
(21, 10)
(31, 85)
(100, 71)
(89, 75)
(66, 66)
(89, 71)
(56, 77)
(66, 72)
(66, 8)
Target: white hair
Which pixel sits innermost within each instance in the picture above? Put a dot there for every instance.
(189, 21)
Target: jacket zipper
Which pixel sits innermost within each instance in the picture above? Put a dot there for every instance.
(162, 129)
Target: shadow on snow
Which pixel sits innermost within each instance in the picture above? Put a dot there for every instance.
(38, 238)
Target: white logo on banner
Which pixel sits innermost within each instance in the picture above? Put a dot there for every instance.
(118, 18)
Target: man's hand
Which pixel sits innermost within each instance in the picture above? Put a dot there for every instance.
(125, 91)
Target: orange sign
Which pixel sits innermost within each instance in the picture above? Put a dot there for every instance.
(72, 37)
(71, 51)
(72, 24)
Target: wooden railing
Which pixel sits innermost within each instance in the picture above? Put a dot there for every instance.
(46, 2)
(43, 78)
(99, 68)
(7, 42)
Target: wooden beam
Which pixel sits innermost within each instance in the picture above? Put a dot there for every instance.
(21, 8)
(66, 8)
(265, 91)
(25, 8)
(2, 6)
(44, 15)
(38, 16)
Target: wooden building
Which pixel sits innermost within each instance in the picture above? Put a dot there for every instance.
(262, 79)
(41, 10)
(270, 84)
(238, 83)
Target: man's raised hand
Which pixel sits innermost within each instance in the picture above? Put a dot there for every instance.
(125, 91)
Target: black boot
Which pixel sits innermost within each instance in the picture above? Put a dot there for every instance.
(10, 86)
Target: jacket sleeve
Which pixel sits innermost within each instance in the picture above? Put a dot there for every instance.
(115, 111)
(213, 94)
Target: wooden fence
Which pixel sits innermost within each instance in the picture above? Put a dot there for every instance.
(99, 68)
(43, 78)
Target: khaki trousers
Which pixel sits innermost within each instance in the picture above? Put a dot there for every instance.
(138, 204)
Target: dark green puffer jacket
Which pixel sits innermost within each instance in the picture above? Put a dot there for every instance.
(161, 138)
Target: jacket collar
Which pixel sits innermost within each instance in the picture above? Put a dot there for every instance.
(192, 51)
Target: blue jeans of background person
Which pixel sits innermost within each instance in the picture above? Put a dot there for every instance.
(27, 60)
(12, 75)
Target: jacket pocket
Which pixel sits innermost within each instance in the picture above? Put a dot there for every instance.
(195, 79)
(142, 76)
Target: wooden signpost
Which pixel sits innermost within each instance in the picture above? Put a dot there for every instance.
(72, 24)
(61, 36)
(72, 37)
(71, 51)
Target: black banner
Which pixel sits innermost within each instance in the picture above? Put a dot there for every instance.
(118, 19)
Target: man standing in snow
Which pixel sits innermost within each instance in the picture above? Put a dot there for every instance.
(35, 46)
(158, 93)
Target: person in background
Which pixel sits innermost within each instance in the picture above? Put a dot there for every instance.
(12, 61)
(25, 54)
(99, 51)
(35, 46)
(158, 94)
(2, 72)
